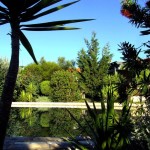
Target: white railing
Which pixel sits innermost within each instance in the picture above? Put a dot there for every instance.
(80, 105)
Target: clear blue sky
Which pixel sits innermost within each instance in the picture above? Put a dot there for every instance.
(111, 27)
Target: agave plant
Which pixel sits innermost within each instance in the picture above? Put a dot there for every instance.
(109, 130)
(16, 13)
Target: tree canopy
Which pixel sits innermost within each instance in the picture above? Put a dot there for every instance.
(93, 67)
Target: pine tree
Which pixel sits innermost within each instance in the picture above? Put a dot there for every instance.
(93, 69)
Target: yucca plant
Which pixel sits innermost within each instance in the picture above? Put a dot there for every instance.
(109, 130)
(16, 13)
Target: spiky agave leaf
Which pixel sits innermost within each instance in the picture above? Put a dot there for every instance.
(91, 113)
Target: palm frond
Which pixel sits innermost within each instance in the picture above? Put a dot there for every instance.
(4, 10)
(50, 11)
(15, 5)
(2, 22)
(30, 3)
(54, 23)
(5, 2)
(49, 29)
(30, 12)
(27, 45)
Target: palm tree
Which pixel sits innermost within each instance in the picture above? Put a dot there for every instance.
(17, 12)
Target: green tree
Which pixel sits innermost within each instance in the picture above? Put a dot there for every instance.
(15, 13)
(30, 73)
(65, 64)
(48, 68)
(93, 68)
(36, 73)
(105, 62)
(64, 86)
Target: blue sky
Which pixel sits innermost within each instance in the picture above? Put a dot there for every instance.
(110, 26)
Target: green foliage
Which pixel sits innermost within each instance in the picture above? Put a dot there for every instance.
(112, 130)
(40, 72)
(105, 90)
(14, 126)
(23, 127)
(108, 129)
(45, 88)
(61, 122)
(27, 96)
(3, 67)
(31, 72)
(43, 99)
(64, 86)
(44, 119)
(93, 69)
(138, 16)
(104, 63)
(31, 89)
(142, 113)
(48, 68)
(3, 70)
(137, 76)
(65, 64)
(36, 74)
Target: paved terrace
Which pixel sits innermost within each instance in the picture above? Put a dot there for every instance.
(40, 143)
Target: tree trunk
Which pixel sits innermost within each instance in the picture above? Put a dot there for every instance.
(9, 85)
